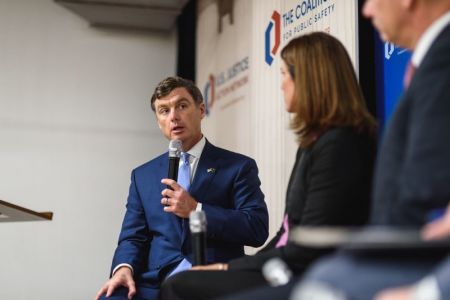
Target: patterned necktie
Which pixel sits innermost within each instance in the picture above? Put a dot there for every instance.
(184, 179)
(409, 73)
(184, 172)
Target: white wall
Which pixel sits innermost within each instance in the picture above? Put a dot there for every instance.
(74, 120)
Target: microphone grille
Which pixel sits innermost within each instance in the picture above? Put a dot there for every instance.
(197, 221)
(175, 148)
(276, 272)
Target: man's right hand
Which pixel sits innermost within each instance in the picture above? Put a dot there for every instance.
(122, 277)
(438, 229)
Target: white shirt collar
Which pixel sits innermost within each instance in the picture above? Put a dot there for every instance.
(427, 39)
(196, 151)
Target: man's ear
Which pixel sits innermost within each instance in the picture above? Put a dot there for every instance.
(202, 108)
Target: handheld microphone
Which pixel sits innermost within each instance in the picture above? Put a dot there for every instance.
(197, 224)
(276, 272)
(174, 159)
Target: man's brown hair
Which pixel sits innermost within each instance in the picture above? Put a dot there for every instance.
(166, 86)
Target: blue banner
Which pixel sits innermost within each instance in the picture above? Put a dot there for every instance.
(391, 62)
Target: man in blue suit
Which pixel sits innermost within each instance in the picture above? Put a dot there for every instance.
(154, 242)
(412, 173)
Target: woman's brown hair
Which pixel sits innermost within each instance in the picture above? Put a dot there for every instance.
(327, 93)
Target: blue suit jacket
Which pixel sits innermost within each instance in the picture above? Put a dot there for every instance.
(228, 187)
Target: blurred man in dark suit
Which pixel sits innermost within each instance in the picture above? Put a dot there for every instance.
(413, 168)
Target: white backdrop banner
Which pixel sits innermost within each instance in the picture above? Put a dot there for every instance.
(238, 68)
(223, 71)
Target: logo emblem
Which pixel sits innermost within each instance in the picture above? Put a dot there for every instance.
(271, 51)
(209, 93)
(388, 50)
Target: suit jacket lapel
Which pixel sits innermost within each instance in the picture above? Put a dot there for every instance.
(206, 170)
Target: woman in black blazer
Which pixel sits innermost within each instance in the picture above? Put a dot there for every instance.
(331, 179)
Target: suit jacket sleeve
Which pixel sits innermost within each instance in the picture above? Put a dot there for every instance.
(335, 167)
(247, 222)
(134, 237)
(442, 276)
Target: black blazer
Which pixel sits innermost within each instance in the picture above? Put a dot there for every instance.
(329, 185)
(412, 176)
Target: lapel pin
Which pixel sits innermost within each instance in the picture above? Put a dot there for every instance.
(211, 170)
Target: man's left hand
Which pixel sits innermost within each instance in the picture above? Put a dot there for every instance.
(177, 200)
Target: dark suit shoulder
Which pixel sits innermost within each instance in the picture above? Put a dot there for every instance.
(433, 75)
(210, 149)
(343, 136)
(227, 154)
(153, 163)
(439, 52)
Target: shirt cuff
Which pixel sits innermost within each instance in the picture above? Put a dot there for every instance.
(122, 265)
(426, 289)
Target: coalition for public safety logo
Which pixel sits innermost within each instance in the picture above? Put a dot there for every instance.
(271, 46)
(209, 93)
